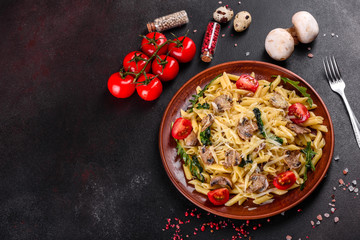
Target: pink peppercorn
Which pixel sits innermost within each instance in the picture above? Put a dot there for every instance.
(210, 41)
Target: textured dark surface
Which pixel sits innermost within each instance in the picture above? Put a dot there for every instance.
(76, 163)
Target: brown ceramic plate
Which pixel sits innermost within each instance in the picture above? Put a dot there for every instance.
(173, 164)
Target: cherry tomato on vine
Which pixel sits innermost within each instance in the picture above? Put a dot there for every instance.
(247, 82)
(181, 129)
(298, 113)
(284, 180)
(183, 50)
(219, 196)
(166, 67)
(151, 90)
(135, 62)
(121, 87)
(148, 43)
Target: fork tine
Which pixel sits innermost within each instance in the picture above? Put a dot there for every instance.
(336, 68)
(330, 72)
(333, 72)
(326, 71)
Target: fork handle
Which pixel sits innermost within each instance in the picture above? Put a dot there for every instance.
(354, 122)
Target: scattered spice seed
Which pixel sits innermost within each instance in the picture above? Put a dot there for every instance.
(324, 34)
(319, 217)
(223, 35)
(337, 158)
(341, 181)
(310, 55)
(351, 188)
(247, 53)
(332, 210)
(345, 171)
(334, 188)
(312, 223)
(288, 237)
(356, 190)
(318, 223)
(309, 48)
(354, 182)
(235, 44)
(326, 215)
(220, 2)
(332, 34)
(337, 35)
(239, 3)
(336, 219)
(195, 31)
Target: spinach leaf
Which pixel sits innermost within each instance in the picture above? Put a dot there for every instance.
(205, 137)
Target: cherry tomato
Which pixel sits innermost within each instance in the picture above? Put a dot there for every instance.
(181, 129)
(247, 82)
(166, 67)
(284, 180)
(121, 87)
(148, 44)
(134, 62)
(183, 50)
(152, 90)
(218, 196)
(298, 113)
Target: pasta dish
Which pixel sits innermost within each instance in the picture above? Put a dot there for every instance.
(251, 139)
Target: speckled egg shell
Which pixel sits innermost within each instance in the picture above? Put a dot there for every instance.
(223, 14)
(242, 21)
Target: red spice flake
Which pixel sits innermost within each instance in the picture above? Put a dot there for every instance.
(288, 237)
(345, 171)
(268, 220)
(312, 223)
(186, 214)
(235, 44)
(341, 181)
(310, 55)
(259, 225)
(247, 222)
(198, 215)
(192, 214)
(195, 233)
(299, 210)
(203, 228)
(333, 200)
(319, 217)
(254, 228)
(195, 31)
(336, 219)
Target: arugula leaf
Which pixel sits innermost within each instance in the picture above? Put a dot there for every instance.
(193, 162)
(201, 93)
(261, 127)
(205, 137)
(309, 153)
(245, 161)
(203, 106)
(301, 89)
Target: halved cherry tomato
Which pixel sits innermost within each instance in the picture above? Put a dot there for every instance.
(166, 67)
(284, 180)
(298, 112)
(134, 62)
(147, 44)
(183, 49)
(121, 87)
(219, 196)
(152, 90)
(247, 82)
(181, 129)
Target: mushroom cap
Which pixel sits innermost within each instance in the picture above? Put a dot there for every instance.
(306, 26)
(279, 44)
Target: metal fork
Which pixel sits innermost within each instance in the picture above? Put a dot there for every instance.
(337, 84)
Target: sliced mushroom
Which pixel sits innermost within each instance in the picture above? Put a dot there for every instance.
(206, 156)
(232, 158)
(260, 147)
(246, 129)
(298, 129)
(207, 121)
(191, 140)
(223, 103)
(278, 101)
(292, 159)
(259, 183)
(221, 181)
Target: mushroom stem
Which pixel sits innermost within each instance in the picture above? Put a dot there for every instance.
(292, 31)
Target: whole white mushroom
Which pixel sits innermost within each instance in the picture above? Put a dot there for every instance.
(279, 43)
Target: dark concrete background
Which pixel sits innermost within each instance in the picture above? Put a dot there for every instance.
(76, 163)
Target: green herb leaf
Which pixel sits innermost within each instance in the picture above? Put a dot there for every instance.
(203, 106)
(301, 89)
(309, 154)
(261, 127)
(200, 94)
(245, 161)
(205, 137)
(193, 162)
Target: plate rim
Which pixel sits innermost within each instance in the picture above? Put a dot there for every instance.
(228, 215)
